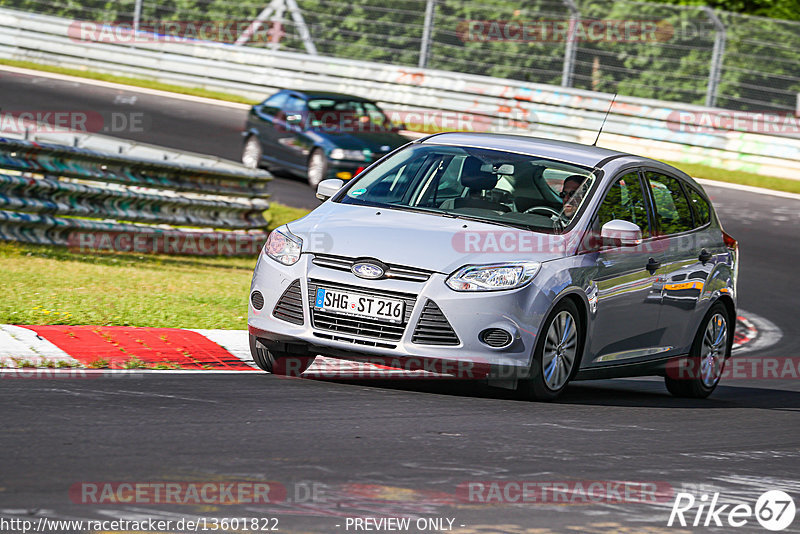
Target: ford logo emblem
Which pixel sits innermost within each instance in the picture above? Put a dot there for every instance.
(367, 270)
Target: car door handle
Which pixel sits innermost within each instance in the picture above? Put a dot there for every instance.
(705, 256)
(653, 265)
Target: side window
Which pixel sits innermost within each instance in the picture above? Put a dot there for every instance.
(295, 106)
(702, 211)
(673, 213)
(625, 201)
(273, 104)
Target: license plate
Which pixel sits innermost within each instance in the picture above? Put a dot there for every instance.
(335, 301)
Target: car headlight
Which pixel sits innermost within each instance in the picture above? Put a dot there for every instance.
(283, 246)
(493, 277)
(356, 155)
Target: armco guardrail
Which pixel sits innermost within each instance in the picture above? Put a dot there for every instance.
(637, 125)
(61, 195)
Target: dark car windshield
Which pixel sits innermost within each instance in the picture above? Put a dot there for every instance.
(490, 185)
(347, 115)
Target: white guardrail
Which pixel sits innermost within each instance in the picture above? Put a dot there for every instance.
(636, 125)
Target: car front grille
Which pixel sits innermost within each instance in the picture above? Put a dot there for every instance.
(356, 341)
(395, 272)
(359, 326)
(433, 328)
(290, 306)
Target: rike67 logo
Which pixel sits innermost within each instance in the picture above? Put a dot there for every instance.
(774, 510)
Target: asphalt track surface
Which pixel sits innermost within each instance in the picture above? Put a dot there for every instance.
(402, 448)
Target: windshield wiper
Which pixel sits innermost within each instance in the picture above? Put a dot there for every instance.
(402, 207)
(491, 221)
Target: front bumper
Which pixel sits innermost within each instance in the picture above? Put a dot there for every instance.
(519, 312)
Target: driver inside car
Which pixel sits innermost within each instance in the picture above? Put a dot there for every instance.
(571, 194)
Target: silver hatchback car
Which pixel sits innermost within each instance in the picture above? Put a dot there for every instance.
(526, 262)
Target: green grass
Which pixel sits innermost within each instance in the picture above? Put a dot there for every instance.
(278, 214)
(136, 82)
(693, 169)
(51, 285)
(737, 177)
(42, 363)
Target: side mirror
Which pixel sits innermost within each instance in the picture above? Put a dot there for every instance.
(621, 233)
(327, 188)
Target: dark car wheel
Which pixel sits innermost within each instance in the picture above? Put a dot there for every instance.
(277, 363)
(317, 168)
(698, 375)
(557, 354)
(251, 153)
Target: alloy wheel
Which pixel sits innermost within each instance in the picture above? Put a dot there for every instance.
(560, 350)
(712, 354)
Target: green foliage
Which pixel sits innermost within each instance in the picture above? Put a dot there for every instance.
(778, 9)
(760, 70)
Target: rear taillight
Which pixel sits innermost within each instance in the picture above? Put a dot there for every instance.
(358, 171)
(730, 242)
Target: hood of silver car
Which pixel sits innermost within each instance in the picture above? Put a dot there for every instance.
(430, 242)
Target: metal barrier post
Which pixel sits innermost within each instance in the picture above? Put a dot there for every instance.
(427, 30)
(716, 57)
(137, 16)
(571, 48)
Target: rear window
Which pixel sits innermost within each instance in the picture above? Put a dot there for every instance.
(702, 210)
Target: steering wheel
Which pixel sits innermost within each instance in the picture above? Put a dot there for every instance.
(551, 211)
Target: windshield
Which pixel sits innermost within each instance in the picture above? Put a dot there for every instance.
(494, 186)
(347, 115)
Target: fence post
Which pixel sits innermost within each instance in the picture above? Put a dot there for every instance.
(137, 16)
(716, 57)
(427, 31)
(302, 28)
(570, 49)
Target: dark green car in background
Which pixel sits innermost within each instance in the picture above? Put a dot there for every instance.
(317, 135)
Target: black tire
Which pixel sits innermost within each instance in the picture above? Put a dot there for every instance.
(317, 167)
(252, 152)
(538, 386)
(686, 376)
(277, 363)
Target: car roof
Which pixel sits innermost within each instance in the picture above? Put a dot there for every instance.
(329, 94)
(584, 155)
